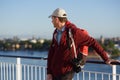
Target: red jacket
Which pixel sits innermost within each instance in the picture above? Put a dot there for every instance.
(59, 55)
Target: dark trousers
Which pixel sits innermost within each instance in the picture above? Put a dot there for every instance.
(67, 76)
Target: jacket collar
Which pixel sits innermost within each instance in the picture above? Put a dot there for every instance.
(67, 23)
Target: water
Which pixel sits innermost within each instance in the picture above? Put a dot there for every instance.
(88, 66)
(24, 53)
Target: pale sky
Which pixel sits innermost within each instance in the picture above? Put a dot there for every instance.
(27, 18)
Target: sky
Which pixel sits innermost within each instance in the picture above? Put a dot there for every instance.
(29, 18)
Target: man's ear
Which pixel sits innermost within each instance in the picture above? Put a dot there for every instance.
(57, 19)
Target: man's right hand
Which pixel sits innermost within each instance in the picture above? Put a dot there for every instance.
(49, 77)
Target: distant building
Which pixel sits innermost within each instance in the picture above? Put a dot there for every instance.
(41, 41)
(102, 40)
(117, 46)
(33, 41)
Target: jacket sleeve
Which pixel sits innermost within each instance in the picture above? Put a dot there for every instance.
(50, 54)
(84, 49)
(85, 40)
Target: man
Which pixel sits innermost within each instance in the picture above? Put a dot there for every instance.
(59, 65)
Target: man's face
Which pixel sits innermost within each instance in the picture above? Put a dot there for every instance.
(55, 21)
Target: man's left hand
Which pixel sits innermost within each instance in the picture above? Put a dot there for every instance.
(112, 61)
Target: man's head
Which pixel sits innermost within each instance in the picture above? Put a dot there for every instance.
(59, 18)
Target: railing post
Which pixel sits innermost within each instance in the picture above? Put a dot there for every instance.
(114, 72)
(18, 70)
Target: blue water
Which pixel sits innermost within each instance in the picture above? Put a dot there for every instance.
(24, 53)
(88, 66)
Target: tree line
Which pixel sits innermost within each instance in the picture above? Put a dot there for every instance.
(13, 45)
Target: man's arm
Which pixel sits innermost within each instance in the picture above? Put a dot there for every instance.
(84, 39)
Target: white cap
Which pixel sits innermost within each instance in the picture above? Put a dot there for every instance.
(59, 13)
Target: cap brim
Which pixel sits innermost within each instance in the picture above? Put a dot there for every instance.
(50, 16)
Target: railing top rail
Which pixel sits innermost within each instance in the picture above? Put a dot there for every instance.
(43, 58)
(27, 57)
(101, 62)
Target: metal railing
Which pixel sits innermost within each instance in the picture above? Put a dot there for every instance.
(19, 71)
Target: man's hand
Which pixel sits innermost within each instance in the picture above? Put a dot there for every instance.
(110, 61)
(49, 77)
